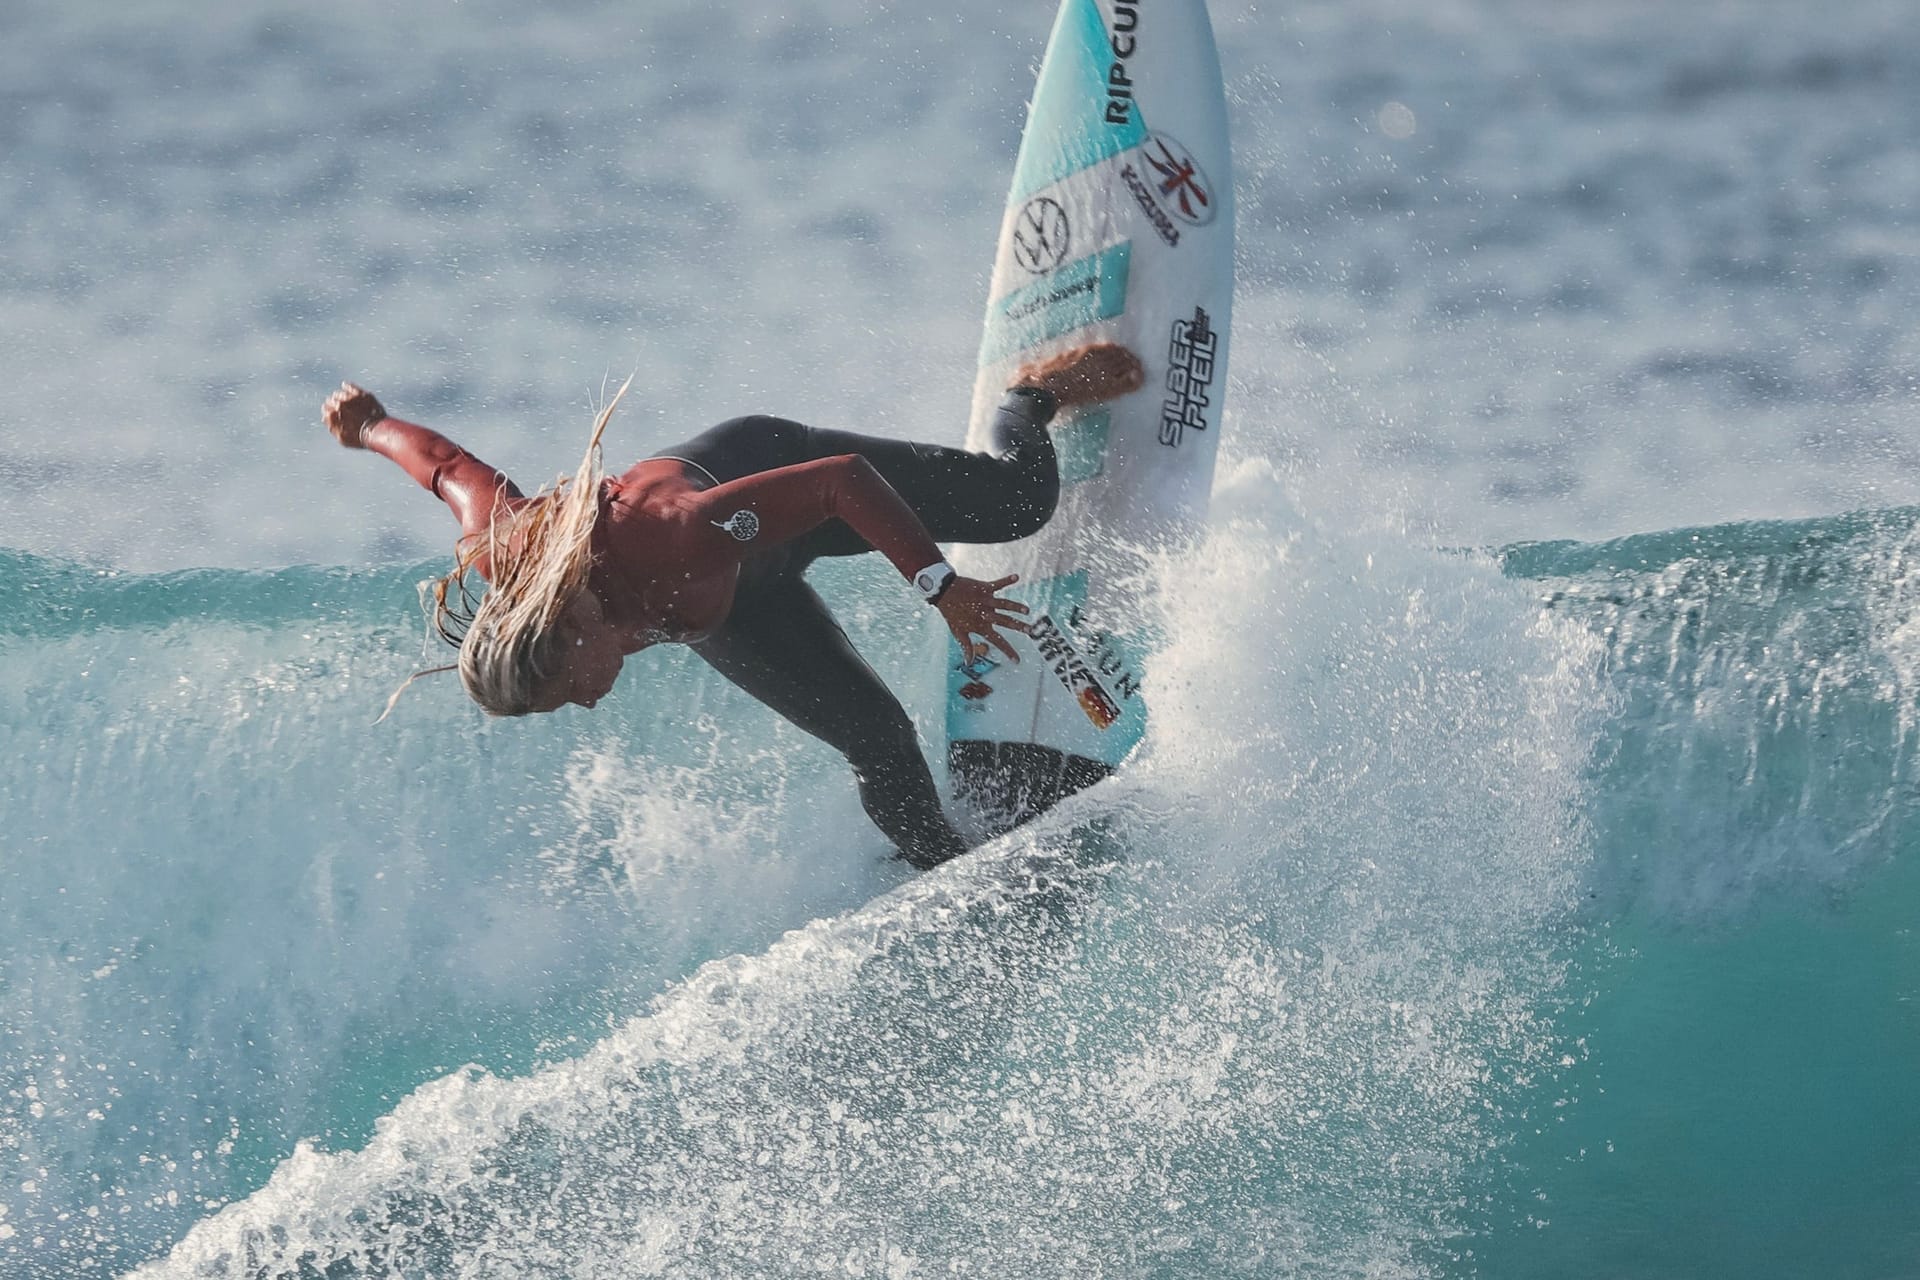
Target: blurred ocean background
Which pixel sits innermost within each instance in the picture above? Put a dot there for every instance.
(1519, 875)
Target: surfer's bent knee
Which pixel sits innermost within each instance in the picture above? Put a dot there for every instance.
(882, 735)
(1020, 442)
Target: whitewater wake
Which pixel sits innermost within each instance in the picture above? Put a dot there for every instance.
(1338, 977)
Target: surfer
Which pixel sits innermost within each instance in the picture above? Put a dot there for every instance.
(708, 543)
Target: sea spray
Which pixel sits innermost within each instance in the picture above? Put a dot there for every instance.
(1202, 1020)
(233, 914)
(1386, 955)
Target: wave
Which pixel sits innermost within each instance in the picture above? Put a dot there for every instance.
(1768, 675)
(1351, 972)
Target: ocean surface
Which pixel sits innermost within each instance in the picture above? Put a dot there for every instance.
(1518, 878)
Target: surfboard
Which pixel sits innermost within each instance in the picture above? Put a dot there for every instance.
(1118, 227)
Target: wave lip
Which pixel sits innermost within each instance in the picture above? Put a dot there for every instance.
(1767, 674)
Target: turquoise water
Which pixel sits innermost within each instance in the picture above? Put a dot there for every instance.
(1539, 914)
(1753, 989)
(1535, 912)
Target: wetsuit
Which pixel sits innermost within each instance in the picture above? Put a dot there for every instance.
(713, 552)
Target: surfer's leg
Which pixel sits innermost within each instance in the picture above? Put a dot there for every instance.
(781, 645)
(1006, 493)
(961, 496)
(744, 447)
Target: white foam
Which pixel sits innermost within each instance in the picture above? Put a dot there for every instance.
(1260, 996)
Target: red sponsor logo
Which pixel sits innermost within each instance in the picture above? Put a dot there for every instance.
(973, 675)
(1100, 708)
(1179, 184)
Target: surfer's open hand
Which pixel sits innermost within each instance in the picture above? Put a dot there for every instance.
(1085, 375)
(974, 608)
(349, 412)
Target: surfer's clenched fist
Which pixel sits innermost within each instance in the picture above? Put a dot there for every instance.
(349, 412)
(1085, 375)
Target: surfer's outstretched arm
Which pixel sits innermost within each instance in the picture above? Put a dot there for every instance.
(474, 490)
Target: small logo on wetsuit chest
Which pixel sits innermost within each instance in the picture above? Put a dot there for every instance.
(743, 525)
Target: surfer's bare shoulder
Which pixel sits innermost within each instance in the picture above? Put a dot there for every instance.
(1085, 375)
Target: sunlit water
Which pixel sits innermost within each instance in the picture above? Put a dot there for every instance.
(1536, 910)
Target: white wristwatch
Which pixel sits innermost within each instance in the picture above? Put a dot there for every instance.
(933, 580)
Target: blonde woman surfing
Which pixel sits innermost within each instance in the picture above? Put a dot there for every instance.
(708, 545)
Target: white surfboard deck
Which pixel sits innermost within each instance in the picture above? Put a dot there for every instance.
(1118, 228)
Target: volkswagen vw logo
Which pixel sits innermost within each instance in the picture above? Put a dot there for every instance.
(1041, 235)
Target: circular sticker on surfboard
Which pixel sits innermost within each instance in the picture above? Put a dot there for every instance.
(1041, 235)
(1179, 184)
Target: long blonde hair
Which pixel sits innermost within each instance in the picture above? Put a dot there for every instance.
(538, 558)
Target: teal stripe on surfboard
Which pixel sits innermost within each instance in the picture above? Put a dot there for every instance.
(1082, 442)
(1067, 105)
(1091, 288)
